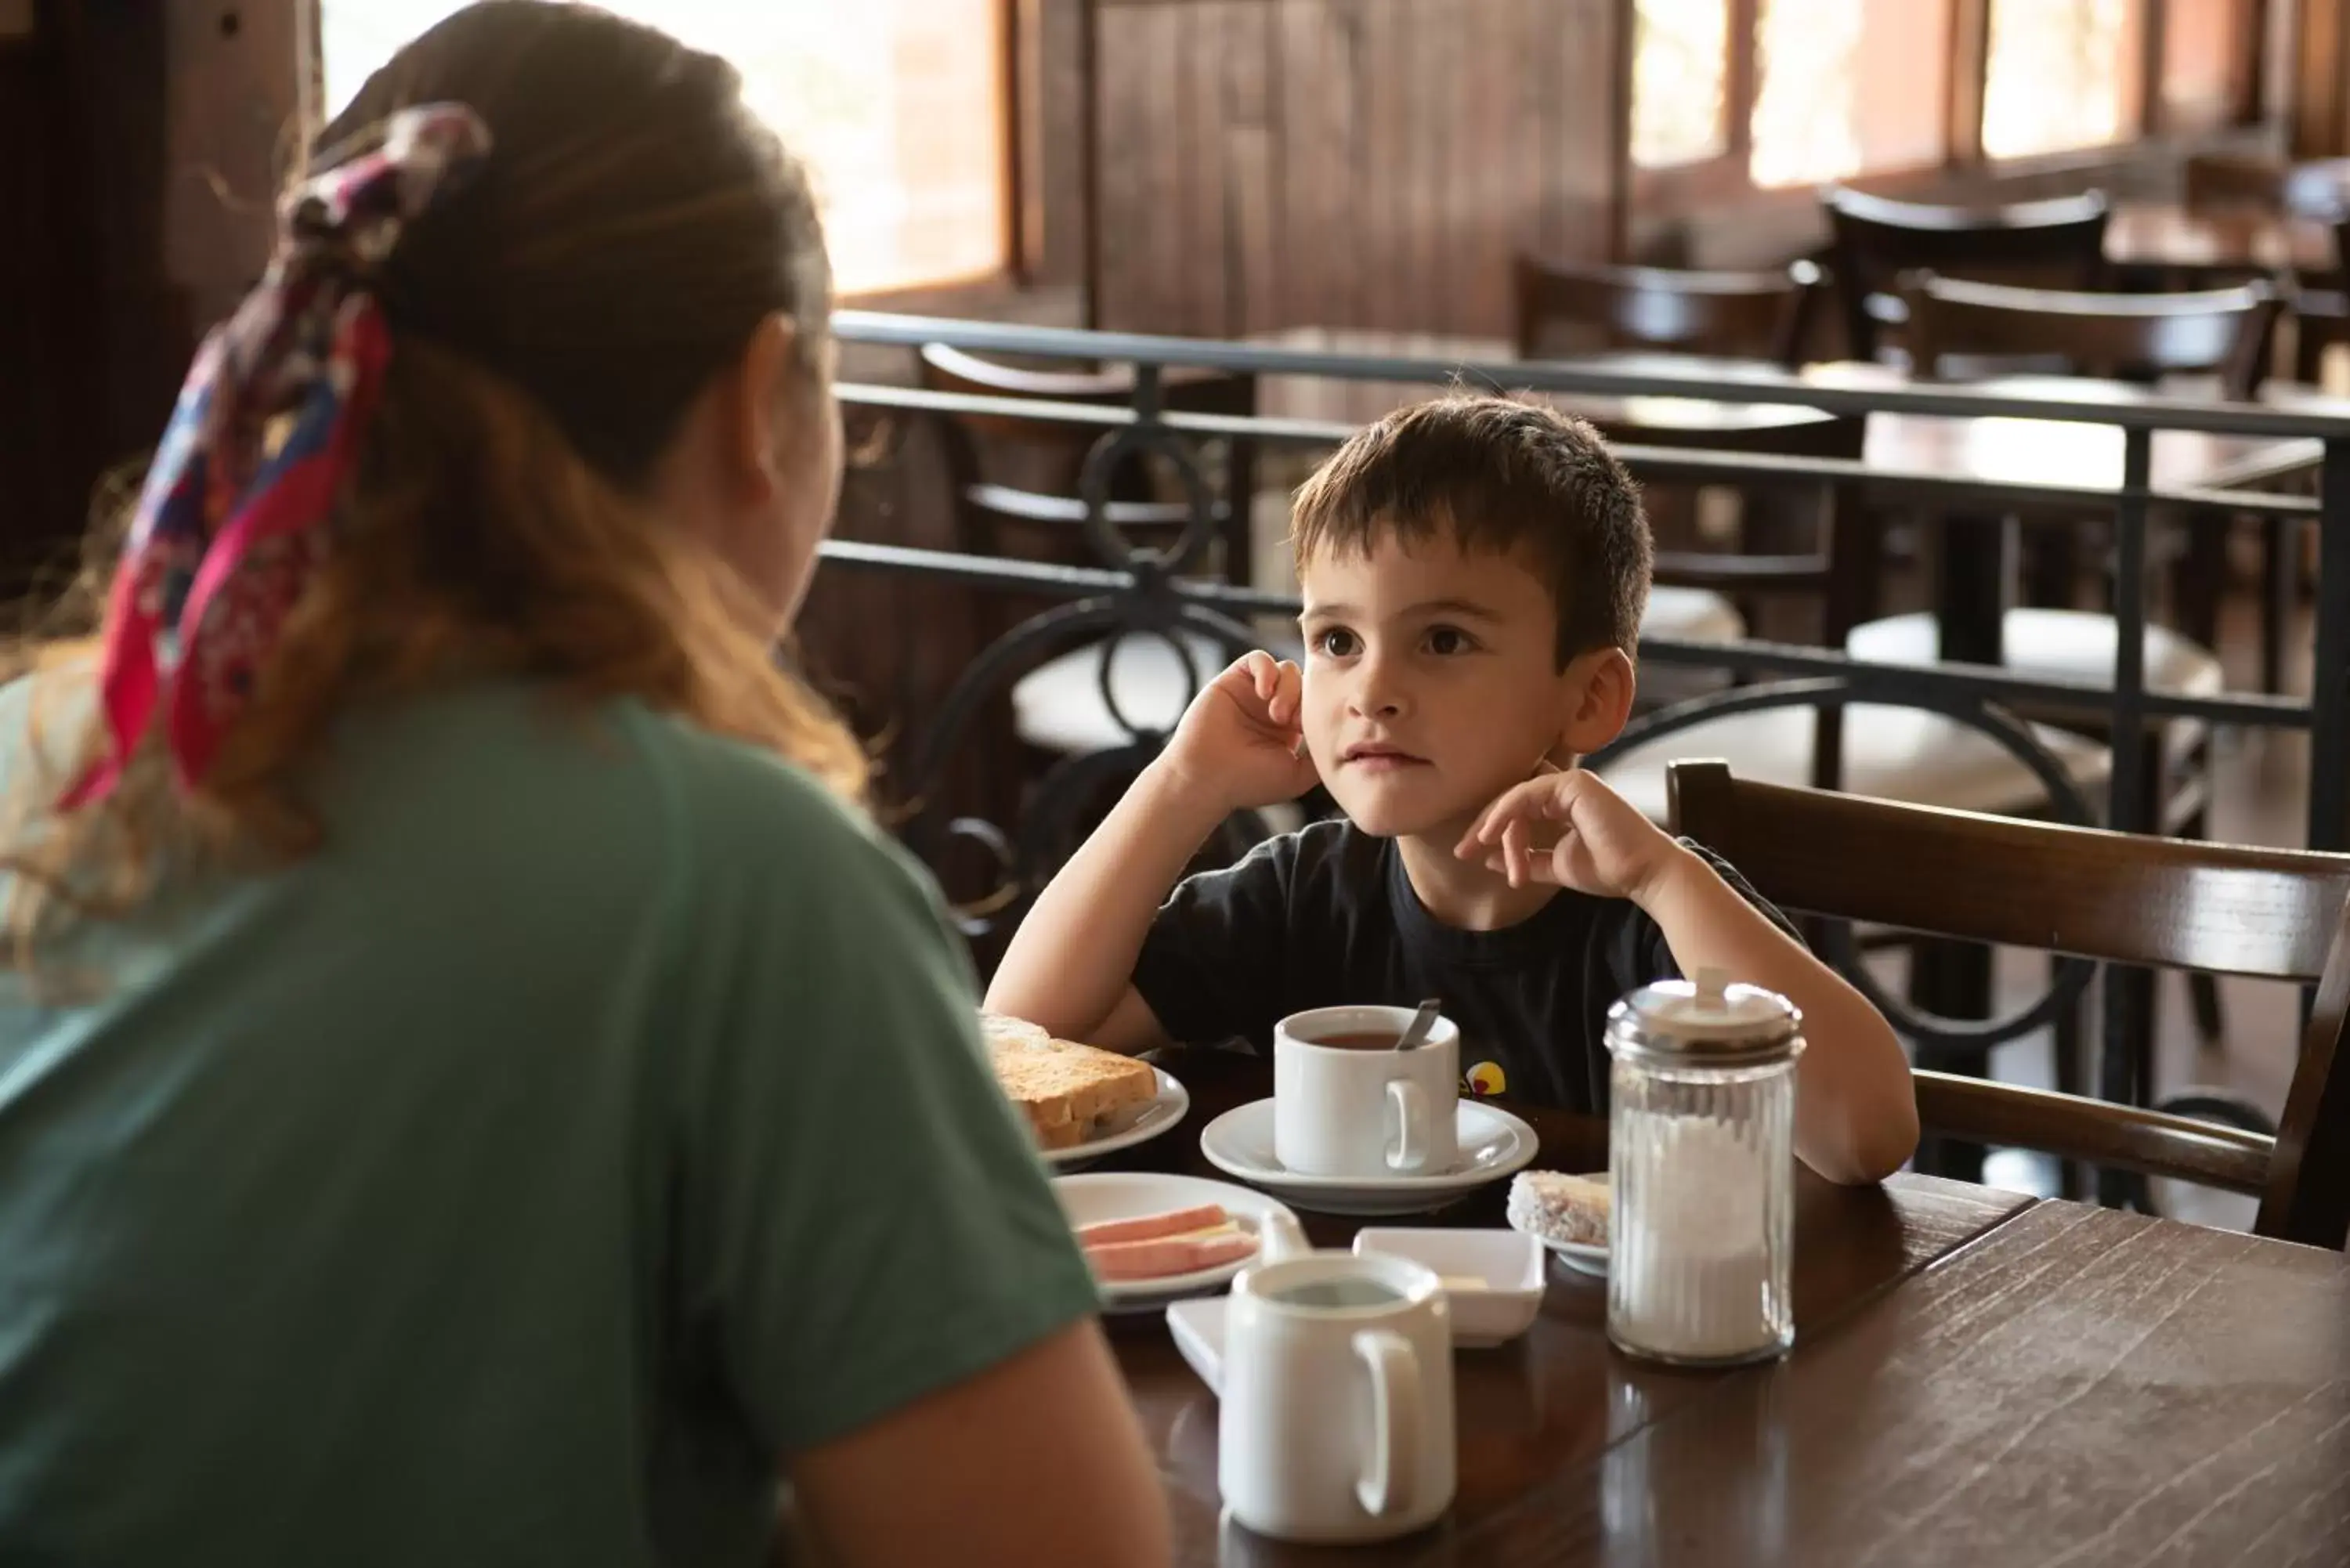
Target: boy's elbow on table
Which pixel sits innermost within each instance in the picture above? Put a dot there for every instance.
(1875, 1139)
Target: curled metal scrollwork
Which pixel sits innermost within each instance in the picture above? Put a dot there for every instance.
(1936, 1036)
(1127, 443)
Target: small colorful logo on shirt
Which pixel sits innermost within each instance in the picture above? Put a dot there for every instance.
(1483, 1079)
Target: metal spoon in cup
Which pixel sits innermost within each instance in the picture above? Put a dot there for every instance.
(1422, 1023)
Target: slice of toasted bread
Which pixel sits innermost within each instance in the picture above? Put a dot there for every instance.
(1068, 1091)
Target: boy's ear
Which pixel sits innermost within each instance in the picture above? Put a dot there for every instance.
(1600, 686)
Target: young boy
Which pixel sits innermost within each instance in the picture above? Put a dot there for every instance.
(1474, 571)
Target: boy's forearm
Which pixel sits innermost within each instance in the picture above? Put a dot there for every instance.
(1072, 957)
(1855, 1109)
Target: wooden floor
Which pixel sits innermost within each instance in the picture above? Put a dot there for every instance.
(2261, 797)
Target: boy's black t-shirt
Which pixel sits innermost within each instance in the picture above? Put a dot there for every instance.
(1327, 917)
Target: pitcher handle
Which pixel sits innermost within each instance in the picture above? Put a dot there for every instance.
(1391, 1486)
(1410, 1102)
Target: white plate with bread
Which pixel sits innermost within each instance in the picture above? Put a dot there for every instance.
(1151, 1238)
(1081, 1102)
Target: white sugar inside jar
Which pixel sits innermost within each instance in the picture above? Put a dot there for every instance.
(1701, 1159)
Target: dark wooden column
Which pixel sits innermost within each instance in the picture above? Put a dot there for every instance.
(2319, 114)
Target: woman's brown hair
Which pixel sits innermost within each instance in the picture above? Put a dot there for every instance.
(552, 319)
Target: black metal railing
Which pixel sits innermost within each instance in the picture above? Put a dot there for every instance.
(1153, 593)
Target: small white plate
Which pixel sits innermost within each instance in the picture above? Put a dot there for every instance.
(1197, 1326)
(1096, 1196)
(1501, 1274)
(1163, 1110)
(1494, 1145)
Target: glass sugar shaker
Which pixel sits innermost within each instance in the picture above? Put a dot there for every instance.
(1701, 1156)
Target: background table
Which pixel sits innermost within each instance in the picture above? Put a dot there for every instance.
(2203, 245)
(1978, 1379)
(1976, 545)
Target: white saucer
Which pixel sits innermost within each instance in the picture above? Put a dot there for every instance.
(1102, 1195)
(1170, 1105)
(1581, 1256)
(1494, 1145)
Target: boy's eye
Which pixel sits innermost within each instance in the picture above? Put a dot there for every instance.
(1448, 639)
(1338, 642)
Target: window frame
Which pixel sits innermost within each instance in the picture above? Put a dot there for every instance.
(1683, 187)
(1016, 243)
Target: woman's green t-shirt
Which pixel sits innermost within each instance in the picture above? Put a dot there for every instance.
(596, 1120)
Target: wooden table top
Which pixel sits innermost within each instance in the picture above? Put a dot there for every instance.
(2216, 240)
(1990, 450)
(2079, 1386)
(1555, 1401)
(1977, 1378)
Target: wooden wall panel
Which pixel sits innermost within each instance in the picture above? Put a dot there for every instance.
(1345, 162)
(1242, 154)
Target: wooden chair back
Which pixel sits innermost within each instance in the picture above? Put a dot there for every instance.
(1564, 309)
(2053, 243)
(2274, 914)
(1795, 545)
(2321, 315)
(1800, 539)
(2126, 337)
(1016, 479)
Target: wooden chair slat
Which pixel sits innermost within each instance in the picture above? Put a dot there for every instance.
(2121, 1137)
(2276, 914)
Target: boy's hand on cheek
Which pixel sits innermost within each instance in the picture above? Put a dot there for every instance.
(1570, 830)
(1239, 740)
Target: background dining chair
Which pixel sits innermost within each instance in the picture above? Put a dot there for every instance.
(1958, 328)
(2058, 243)
(1994, 329)
(1017, 479)
(1015, 483)
(1784, 545)
(2321, 311)
(1961, 330)
(2274, 914)
(1798, 540)
(1568, 308)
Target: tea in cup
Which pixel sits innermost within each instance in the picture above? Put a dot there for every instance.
(1347, 1104)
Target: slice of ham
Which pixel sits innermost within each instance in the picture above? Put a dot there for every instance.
(1160, 1257)
(1151, 1227)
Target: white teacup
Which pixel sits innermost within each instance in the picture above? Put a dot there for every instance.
(1364, 1112)
(1336, 1422)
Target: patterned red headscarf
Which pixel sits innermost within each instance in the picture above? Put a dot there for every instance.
(233, 521)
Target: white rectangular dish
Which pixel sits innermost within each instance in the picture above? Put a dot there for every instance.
(1494, 1278)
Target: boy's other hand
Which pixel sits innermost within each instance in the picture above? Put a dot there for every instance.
(1239, 740)
(1570, 830)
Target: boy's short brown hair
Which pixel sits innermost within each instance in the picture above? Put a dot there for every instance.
(1493, 474)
